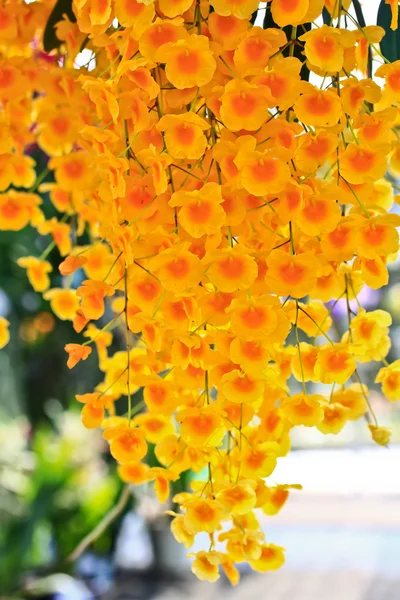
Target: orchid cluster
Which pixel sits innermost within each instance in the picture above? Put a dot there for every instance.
(213, 205)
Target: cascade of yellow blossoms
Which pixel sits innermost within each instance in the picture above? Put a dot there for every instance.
(210, 204)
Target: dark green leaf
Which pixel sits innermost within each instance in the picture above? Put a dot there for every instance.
(61, 8)
(390, 44)
(359, 13)
(326, 17)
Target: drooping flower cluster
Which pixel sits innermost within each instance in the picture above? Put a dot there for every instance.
(211, 203)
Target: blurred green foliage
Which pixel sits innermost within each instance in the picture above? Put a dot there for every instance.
(55, 483)
(55, 487)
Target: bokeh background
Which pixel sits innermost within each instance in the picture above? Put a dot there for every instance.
(342, 531)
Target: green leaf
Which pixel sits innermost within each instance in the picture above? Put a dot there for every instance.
(359, 13)
(61, 8)
(326, 17)
(390, 44)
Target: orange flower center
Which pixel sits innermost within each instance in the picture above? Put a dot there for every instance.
(325, 47)
(265, 170)
(392, 381)
(236, 494)
(5, 20)
(268, 554)
(244, 104)
(229, 167)
(278, 85)
(363, 46)
(179, 268)
(128, 441)
(338, 361)
(244, 384)
(233, 412)
(226, 25)
(232, 267)
(289, 5)
(332, 414)
(65, 301)
(188, 62)
(203, 424)
(256, 49)
(158, 394)
(339, 237)
(141, 77)
(74, 169)
(255, 459)
(319, 105)
(131, 7)
(315, 211)
(61, 125)
(304, 409)
(279, 497)
(394, 81)
(204, 512)
(139, 197)
(252, 350)
(372, 266)
(7, 77)
(372, 131)
(200, 212)
(356, 96)
(195, 372)
(177, 311)
(147, 289)
(102, 6)
(253, 317)
(271, 422)
(10, 209)
(366, 328)
(206, 565)
(293, 199)
(363, 160)
(292, 273)
(154, 425)
(325, 281)
(376, 234)
(162, 34)
(318, 147)
(286, 137)
(185, 134)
